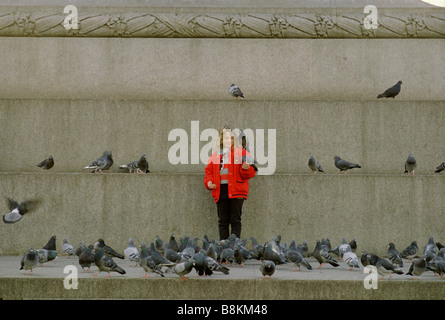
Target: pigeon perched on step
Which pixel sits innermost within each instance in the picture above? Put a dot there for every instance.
(267, 268)
(131, 167)
(183, 268)
(314, 165)
(86, 257)
(344, 165)
(321, 254)
(107, 249)
(214, 265)
(391, 92)
(410, 252)
(440, 167)
(132, 253)
(384, 266)
(102, 163)
(17, 210)
(143, 164)
(106, 263)
(273, 253)
(430, 248)
(29, 260)
(351, 259)
(46, 164)
(67, 248)
(410, 165)
(51, 244)
(394, 256)
(295, 257)
(437, 265)
(46, 255)
(235, 91)
(147, 263)
(417, 268)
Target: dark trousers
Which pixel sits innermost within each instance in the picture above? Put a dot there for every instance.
(229, 214)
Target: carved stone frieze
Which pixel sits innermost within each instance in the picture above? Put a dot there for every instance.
(20, 22)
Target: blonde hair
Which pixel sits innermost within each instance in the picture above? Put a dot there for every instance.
(233, 131)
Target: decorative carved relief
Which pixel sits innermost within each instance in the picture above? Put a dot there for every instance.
(219, 25)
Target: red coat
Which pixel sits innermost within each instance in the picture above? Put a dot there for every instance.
(238, 177)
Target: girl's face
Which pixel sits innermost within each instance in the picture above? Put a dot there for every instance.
(228, 139)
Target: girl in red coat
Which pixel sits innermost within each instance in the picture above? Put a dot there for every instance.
(227, 175)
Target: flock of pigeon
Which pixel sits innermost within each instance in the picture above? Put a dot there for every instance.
(207, 256)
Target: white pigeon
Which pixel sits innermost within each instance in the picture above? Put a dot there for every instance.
(68, 248)
(351, 259)
(132, 253)
(235, 91)
(18, 210)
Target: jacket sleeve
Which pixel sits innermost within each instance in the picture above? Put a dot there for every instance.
(208, 173)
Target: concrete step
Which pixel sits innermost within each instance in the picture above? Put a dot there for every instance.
(375, 209)
(177, 135)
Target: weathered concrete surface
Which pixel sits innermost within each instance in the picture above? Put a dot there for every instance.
(375, 209)
(203, 69)
(242, 283)
(379, 135)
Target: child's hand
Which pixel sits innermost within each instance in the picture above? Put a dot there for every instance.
(245, 166)
(211, 185)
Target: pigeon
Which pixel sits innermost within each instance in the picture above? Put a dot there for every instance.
(86, 257)
(394, 256)
(228, 256)
(147, 262)
(383, 265)
(238, 254)
(344, 165)
(68, 248)
(80, 248)
(18, 210)
(159, 244)
(211, 251)
(46, 164)
(430, 248)
(103, 163)
(132, 166)
(314, 165)
(235, 91)
(272, 252)
(440, 167)
(200, 264)
(296, 258)
(341, 249)
(183, 268)
(410, 252)
(437, 265)
(171, 255)
(213, 265)
(107, 249)
(257, 249)
(46, 255)
(143, 164)
(391, 92)
(351, 260)
(51, 244)
(267, 268)
(353, 245)
(306, 251)
(172, 243)
(106, 263)
(158, 258)
(189, 250)
(417, 268)
(410, 165)
(132, 253)
(251, 161)
(321, 254)
(29, 260)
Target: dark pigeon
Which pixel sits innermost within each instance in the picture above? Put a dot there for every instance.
(410, 252)
(105, 263)
(267, 268)
(344, 165)
(51, 244)
(108, 250)
(391, 92)
(103, 163)
(46, 164)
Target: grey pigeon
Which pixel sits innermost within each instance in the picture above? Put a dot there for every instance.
(351, 259)
(183, 268)
(314, 165)
(147, 262)
(159, 244)
(306, 250)
(132, 253)
(102, 163)
(228, 256)
(235, 91)
(344, 165)
(51, 244)
(410, 252)
(46, 255)
(410, 165)
(384, 266)
(341, 249)
(86, 257)
(211, 251)
(200, 264)
(189, 250)
(353, 245)
(239, 257)
(272, 252)
(430, 247)
(171, 255)
(321, 254)
(257, 249)
(29, 260)
(158, 258)
(18, 210)
(213, 265)
(437, 265)
(417, 268)
(172, 243)
(364, 259)
(107, 249)
(67, 248)
(106, 263)
(394, 256)
(440, 167)
(132, 166)
(267, 268)
(46, 164)
(80, 248)
(296, 258)
(391, 92)
(143, 164)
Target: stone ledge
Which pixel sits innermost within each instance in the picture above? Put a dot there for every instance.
(199, 19)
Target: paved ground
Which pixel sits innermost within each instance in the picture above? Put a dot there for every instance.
(9, 267)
